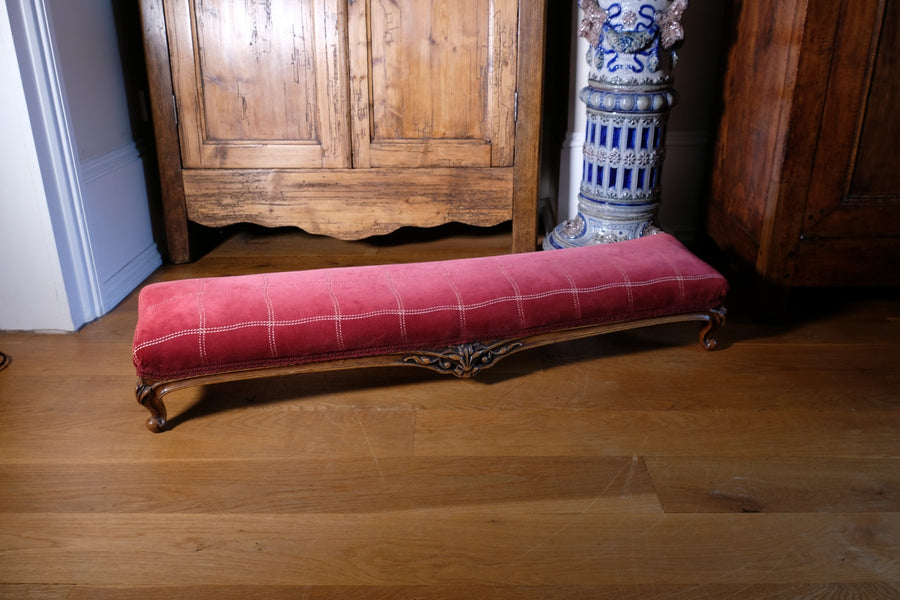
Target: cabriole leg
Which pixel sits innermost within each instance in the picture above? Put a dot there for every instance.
(149, 399)
(708, 334)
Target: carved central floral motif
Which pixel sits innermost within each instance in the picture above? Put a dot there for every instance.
(464, 360)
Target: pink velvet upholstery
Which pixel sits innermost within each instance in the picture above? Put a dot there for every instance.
(202, 326)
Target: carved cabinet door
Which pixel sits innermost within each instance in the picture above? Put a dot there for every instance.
(260, 84)
(855, 187)
(805, 185)
(347, 118)
(433, 82)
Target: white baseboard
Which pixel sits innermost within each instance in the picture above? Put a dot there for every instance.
(100, 166)
(129, 277)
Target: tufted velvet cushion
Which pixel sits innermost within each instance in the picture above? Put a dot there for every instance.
(202, 326)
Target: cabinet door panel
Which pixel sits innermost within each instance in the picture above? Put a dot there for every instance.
(877, 167)
(260, 84)
(855, 187)
(435, 83)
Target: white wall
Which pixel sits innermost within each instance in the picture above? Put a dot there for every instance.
(86, 44)
(32, 291)
(90, 213)
(111, 172)
(112, 185)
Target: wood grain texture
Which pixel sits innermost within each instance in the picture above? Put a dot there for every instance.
(309, 485)
(804, 185)
(823, 591)
(633, 466)
(449, 546)
(778, 484)
(814, 432)
(768, 62)
(441, 72)
(874, 172)
(854, 192)
(529, 75)
(350, 204)
(35, 592)
(383, 99)
(165, 129)
(260, 85)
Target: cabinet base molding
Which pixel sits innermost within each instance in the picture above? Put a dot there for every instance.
(349, 204)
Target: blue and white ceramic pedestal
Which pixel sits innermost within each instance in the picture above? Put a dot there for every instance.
(628, 98)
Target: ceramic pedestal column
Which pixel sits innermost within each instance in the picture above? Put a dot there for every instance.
(628, 97)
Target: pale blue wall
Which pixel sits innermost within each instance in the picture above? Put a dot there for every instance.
(32, 290)
(91, 169)
(113, 188)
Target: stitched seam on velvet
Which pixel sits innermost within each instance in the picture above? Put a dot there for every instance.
(518, 295)
(424, 311)
(408, 275)
(337, 313)
(681, 291)
(401, 314)
(427, 345)
(435, 344)
(627, 286)
(202, 322)
(573, 288)
(460, 305)
(270, 326)
(305, 284)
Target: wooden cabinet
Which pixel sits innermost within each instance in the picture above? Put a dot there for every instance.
(806, 178)
(347, 118)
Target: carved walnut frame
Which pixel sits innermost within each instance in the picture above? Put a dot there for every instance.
(464, 360)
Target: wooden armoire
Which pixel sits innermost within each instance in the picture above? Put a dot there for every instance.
(348, 118)
(806, 175)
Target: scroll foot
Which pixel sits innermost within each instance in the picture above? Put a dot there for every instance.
(148, 398)
(716, 321)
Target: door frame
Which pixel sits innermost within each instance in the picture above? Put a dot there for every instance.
(54, 143)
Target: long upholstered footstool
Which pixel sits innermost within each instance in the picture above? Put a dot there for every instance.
(457, 316)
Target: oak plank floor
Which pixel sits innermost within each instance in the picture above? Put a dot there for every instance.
(629, 466)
